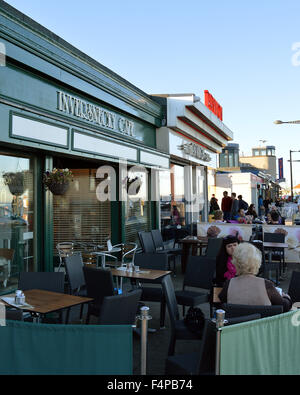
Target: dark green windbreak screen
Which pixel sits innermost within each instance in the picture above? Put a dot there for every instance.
(268, 346)
(29, 348)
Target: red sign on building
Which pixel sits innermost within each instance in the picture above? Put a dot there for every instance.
(213, 105)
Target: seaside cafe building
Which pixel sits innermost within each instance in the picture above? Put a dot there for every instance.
(193, 135)
(61, 109)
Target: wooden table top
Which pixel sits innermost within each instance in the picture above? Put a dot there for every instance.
(275, 245)
(43, 302)
(198, 240)
(143, 274)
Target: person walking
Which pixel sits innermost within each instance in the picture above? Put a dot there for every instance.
(226, 205)
(234, 206)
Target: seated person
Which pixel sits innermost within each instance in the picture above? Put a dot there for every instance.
(246, 288)
(218, 216)
(251, 211)
(275, 218)
(242, 218)
(224, 267)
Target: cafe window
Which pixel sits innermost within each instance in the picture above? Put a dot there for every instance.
(78, 215)
(137, 205)
(16, 219)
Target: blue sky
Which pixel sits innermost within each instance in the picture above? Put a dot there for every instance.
(240, 51)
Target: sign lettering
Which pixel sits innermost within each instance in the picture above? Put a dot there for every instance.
(89, 112)
(195, 151)
(213, 105)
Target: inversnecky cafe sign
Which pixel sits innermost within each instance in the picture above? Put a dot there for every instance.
(89, 112)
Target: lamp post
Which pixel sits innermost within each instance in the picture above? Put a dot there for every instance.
(278, 122)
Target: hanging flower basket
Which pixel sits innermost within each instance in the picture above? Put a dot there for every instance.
(138, 183)
(58, 189)
(15, 182)
(57, 181)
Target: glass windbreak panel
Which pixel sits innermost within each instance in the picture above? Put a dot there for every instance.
(165, 198)
(137, 206)
(16, 219)
(177, 191)
(256, 152)
(263, 152)
(78, 216)
(236, 159)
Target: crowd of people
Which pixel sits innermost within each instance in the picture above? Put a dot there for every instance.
(235, 209)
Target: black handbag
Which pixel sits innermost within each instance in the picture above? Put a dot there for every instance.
(194, 320)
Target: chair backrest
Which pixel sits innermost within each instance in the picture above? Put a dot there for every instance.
(65, 248)
(120, 309)
(74, 269)
(207, 360)
(200, 272)
(152, 260)
(171, 301)
(99, 283)
(47, 281)
(274, 237)
(147, 242)
(7, 253)
(237, 310)
(294, 287)
(213, 247)
(157, 239)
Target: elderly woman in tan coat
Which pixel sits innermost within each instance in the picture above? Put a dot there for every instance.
(248, 289)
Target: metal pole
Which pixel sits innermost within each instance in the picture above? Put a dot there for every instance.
(144, 317)
(220, 320)
(291, 171)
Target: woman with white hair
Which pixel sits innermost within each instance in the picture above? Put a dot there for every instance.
(248, 289)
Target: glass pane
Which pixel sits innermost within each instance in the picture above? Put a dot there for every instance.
(263, 152)
(177, 191)
(231, 163)
(78, 215)
(137, 206)
(165, 198)
(16, 219)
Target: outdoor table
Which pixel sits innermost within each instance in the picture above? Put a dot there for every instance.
(43, 302)
(142, 274)
(195, 243)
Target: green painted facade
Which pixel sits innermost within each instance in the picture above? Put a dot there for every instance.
(39, 65)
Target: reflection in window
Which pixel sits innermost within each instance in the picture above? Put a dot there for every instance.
(137, 205)
(16, 220)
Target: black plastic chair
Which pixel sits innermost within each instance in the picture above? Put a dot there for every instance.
(199, 273)
(197, 363)
(99, 283)
(159, 243)
(47, 281)
(267, 264)
(148, 246)
(278, 254)
(202, 363)
(75, 276)
(153, 293)
(213, 247)
(120, 309)
(238, 310)
(294, 287)
(179, 331)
